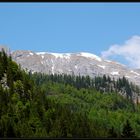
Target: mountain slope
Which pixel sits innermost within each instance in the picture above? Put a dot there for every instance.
(82, 63)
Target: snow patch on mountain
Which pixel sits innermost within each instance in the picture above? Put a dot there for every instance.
(115, 73)
(75, 67)
(127, 76)
(61, 55)
(134, 72)
(89, 55)
(53, 69)
(31, 53)
(39, 53)
(42, 56)
(102, 66)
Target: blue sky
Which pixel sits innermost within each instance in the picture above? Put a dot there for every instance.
(69, 27)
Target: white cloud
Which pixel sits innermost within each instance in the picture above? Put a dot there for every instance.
(130, 51)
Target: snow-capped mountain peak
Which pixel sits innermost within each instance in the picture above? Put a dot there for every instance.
(73, 63)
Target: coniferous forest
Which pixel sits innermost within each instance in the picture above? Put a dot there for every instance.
(65, 106)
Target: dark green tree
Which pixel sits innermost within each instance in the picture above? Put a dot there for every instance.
(112, 133)
(128, 131)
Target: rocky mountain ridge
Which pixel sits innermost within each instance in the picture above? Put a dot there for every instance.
(82, 63)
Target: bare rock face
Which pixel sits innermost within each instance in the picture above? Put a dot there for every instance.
(82, 63)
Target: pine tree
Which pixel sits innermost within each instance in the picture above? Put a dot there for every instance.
(128, 131)
(112, 133)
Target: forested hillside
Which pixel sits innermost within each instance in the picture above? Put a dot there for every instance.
(102, 84)
(56, 106)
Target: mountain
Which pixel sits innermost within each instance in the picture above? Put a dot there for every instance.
(81, 63)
